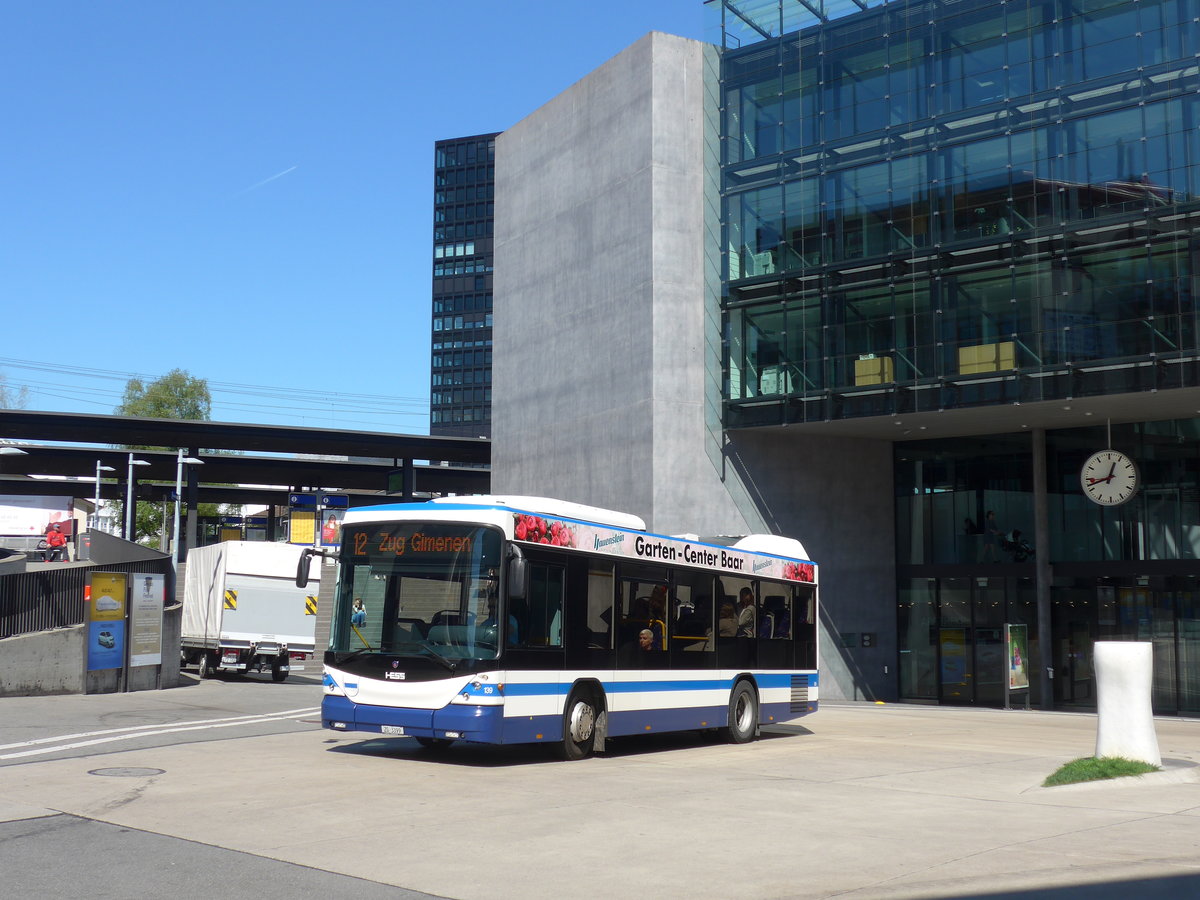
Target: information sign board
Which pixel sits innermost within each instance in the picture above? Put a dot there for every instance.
(145, 620)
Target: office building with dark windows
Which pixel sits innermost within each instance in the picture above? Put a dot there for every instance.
(461, 351)
(885, 277)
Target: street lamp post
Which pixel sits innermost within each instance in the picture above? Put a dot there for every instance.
(129, 535)
(182, 461)
(96, 511)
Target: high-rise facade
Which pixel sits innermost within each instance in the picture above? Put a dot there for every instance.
(938, 206)
(883, 276)
(461, 351)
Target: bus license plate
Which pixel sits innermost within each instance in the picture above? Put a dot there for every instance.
(391, 729)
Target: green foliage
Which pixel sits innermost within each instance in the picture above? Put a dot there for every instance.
(1092, 768)
(176, 395)
(148, 518)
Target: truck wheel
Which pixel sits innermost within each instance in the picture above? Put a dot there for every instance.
(203, 666)
(278, 673)
(743, 713)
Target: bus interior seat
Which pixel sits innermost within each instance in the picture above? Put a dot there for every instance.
(776, 605)
(410, 629)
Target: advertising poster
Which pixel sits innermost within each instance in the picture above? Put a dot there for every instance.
(106, 645)
(107, 594)
(1018, 656)
(20, 515)
(954, 656)
(145, 620)
(654, 547)
(331, 527)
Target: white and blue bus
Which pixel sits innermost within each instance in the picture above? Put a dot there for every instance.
(507, 620)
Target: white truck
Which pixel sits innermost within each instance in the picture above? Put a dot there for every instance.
(242, 611)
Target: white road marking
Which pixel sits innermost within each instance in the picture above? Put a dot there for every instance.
(121, 734)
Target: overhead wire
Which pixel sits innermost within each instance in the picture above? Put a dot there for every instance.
(297, 403)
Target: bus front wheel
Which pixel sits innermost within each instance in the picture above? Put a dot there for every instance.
(579, 727)
(743, 713)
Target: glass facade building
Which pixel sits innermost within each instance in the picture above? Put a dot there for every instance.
(941, 207)
(921, 195)
(461, 351)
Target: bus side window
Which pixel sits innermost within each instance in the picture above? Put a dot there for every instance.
(804, 627)
(600, 606)
(541, 620)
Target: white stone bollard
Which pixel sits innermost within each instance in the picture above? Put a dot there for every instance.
(1124, 673)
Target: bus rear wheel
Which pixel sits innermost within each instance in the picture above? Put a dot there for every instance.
(743, 714)
(579, 727)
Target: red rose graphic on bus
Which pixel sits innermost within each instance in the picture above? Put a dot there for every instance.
(794, 571)
(537, 530)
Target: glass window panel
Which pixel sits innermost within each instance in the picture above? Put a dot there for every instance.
(802, 217)
(755, 229)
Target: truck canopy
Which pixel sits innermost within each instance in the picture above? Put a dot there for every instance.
(244, 592)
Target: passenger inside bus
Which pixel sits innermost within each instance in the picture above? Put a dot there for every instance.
(746, 613)
(640, 653)
(728, 623)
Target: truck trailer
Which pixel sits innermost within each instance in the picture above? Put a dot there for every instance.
(242, 611)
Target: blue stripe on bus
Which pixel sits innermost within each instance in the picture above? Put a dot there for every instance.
(555, 688)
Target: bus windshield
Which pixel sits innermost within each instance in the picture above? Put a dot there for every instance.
(420, 589)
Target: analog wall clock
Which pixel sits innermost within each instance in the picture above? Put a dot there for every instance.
(1109, 477)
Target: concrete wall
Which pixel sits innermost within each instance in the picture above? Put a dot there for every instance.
(606, 366)
(46, 662)
(599, 286)
(836, 496)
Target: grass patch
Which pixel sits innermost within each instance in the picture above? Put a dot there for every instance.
(1093, 768)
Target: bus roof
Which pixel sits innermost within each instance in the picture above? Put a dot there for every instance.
(547, 506)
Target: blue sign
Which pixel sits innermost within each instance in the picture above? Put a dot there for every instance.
(106, 645)
(302, 501)
(333, 501)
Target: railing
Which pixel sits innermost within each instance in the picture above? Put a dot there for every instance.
(53, 597)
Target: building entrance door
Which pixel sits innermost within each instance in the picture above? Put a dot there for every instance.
(956, 660)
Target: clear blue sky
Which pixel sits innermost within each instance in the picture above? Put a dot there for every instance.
(244, 189)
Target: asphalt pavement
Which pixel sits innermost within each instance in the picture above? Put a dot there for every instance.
(857, 800)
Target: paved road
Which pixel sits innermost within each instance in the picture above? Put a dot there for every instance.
(42, 728)
(863, 801)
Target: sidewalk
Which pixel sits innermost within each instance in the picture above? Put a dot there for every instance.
(858, 800)
(949, 801)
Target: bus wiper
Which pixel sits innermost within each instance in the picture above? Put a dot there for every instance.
(443, 660)
(355, 654)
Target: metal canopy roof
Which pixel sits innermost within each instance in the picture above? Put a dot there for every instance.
(121, 430)
(244, 475)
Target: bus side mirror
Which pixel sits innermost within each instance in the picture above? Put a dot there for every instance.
(302, 567)
(518, 577)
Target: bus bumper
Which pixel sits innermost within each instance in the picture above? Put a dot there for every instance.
(457, 721)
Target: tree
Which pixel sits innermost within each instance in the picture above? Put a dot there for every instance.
(10, 397)
(176, 395)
